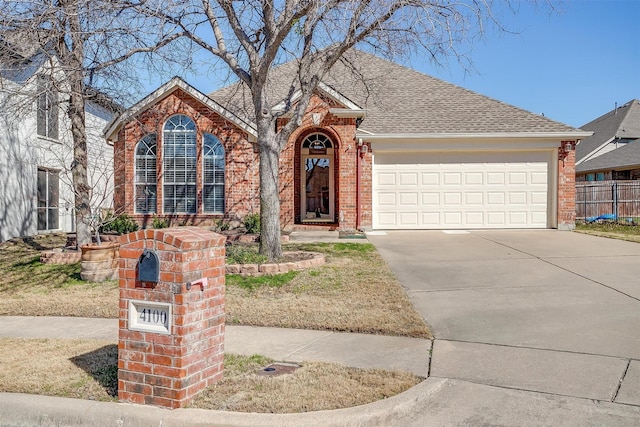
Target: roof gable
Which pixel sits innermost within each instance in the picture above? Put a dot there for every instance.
(167, 89)
(625, 157)
(621, 122)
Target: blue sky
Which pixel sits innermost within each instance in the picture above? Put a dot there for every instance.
(571, 66)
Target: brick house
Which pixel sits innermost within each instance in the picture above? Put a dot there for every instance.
(381, 147)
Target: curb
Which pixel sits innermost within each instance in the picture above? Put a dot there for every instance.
(18, 409)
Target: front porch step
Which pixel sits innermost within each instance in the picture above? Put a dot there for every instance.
(314, 227)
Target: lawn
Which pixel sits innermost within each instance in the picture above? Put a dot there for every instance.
(354, 292)
(611, 229)
(87, 369)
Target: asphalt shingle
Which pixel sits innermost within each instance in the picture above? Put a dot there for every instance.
(399, 100)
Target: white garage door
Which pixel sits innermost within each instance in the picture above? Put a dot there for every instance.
(460, 190)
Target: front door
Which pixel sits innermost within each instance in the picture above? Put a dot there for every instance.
(316, 179)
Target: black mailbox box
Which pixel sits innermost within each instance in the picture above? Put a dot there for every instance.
(148, 266)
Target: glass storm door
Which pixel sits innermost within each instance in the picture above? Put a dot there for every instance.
(317, 179)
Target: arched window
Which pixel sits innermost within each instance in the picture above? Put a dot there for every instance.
(145, 175)
(317, 142)
(213, 174)
(179, 165)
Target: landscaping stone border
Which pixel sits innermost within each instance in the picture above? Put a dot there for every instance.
(58, 256)
(314, 260)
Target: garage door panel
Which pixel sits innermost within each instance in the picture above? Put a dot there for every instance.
(409, 219)
(538, 197)
(408, 179)
(387, 199)
(452, 178)
(538, 178)
(386, 179)
(486, 190)
(452, 198)
(430, 219)
(517, 178)
(408, 199)
(473, 178)
(430, 199)
(431, 178)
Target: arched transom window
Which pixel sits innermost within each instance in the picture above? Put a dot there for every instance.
(179, 165)
(145, 175)
(213, 174)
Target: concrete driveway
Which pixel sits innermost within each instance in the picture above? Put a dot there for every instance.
(543, 311)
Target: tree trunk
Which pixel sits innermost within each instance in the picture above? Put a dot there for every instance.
(73, 65)
(270, 245)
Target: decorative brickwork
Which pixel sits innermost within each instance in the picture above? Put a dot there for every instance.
(567, 189)
(242, 164)
(169, 369)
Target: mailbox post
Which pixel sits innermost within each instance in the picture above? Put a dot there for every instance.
(171, 332)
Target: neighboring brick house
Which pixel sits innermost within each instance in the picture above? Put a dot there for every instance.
(36, 147)
(613, 151)
(381, 147)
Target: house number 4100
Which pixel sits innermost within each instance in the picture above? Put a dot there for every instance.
(150, 316)
(153, 316)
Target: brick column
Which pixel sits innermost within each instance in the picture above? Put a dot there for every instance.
(168, 368)
(567, 188)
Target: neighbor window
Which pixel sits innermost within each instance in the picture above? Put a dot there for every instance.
(47, 115)
(179, 165)
(213, 174)
(145, 175)
(600, 176)
(48, 199)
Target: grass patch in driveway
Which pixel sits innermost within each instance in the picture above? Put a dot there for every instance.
(354, 291)
(87, 369)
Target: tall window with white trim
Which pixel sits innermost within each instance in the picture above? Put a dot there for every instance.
(48, 199)
(47, 108)
(179, 165)
(213, 175)
(145, 175)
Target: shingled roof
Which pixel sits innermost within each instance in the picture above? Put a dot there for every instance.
(399, 100)
(625, 157)
(622, 122)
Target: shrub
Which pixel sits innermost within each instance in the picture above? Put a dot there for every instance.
(160, 222)
(121, 224)
(252, 223)
(222, 225)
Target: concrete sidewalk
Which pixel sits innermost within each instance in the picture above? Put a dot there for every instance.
(284, 345)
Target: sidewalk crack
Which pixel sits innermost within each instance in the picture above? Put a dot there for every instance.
(620, 381)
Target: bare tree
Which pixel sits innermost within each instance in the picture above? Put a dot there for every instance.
(90, 45)
(254, 35)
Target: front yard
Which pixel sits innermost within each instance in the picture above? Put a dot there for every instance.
(354, 291)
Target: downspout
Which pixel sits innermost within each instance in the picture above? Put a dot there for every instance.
(358, 159)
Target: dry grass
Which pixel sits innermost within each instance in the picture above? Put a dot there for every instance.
(354, 291)
(85, 369)
(29, 288)
(88, 370)
(313, 387)
(630, 233)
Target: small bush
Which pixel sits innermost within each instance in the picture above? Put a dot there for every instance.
(222, 225)
(160, 222)
(121, 224)
(252, 223)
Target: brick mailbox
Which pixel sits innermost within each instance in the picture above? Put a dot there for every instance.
(171, 332)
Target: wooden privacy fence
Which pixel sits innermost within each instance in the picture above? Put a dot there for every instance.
(608, 200)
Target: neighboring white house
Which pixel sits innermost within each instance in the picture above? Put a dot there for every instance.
(36, 148)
